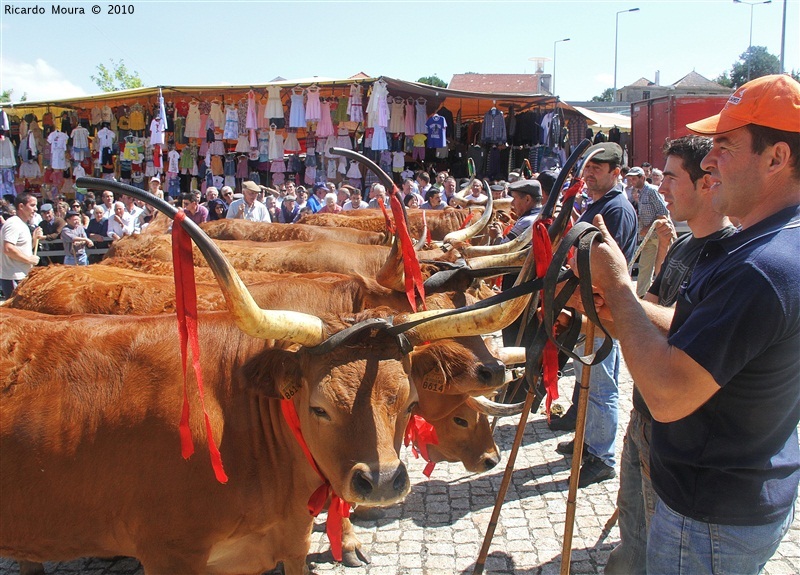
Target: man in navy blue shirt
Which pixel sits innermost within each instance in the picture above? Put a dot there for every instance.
(601, 175)
(722, 381)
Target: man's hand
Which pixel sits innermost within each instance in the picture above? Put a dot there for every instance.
(38, 234)
(608, 264)
(665, 231)
(495, 230)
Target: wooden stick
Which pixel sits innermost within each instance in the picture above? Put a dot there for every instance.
(577, 453)
(646, 237)
(501, 494)
(35, 245)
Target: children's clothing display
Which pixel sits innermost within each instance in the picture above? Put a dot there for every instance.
(192, 129)
(297, 111)
(231, 131)
(313, 108)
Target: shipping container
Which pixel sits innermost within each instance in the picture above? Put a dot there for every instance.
(655, 121)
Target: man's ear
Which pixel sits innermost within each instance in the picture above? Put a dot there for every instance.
(275, 373)
(704, 183)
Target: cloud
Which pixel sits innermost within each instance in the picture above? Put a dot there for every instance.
(38, 79)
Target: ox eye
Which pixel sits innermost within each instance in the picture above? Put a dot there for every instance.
(460, 422)
(319, 412)
(412, 406)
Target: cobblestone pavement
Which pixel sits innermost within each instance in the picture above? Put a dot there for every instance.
(440, 527)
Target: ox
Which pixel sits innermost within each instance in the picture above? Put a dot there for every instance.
(101, 453)
(263, 232)
(440, 222)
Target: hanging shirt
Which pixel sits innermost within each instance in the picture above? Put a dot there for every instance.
(437, 127)
(157, 128)
(174, 160)
(494, 127)
(105, 138)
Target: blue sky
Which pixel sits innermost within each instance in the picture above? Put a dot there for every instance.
(198, 43)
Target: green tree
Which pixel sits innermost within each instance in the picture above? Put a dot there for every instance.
(116, 77)
(5, 96)
(606, 96)
(755, 62)
(433, 81)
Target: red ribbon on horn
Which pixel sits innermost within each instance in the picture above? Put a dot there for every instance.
(389, 224)
(186, 308)
(339, 508)
(467, 220)
(419, 434)
(413, 273)
(543, 254)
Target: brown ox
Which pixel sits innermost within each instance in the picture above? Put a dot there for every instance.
(263, 232)
(136, 252)
(104, 290)
(440, 222)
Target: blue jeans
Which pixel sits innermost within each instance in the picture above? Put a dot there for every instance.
(636, 500)
(601, 414)
(8, 286)
(679, 545)
(80, 260)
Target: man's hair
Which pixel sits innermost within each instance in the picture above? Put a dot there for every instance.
(624, 170)
(425, 177)
(22, 199)
(691, 150)
(379, 188)
(763, 137)
(647, 165)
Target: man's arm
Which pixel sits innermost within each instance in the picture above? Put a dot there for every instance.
(13, 252)
(671, 382)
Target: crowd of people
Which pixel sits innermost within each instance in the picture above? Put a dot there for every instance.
(710, 332)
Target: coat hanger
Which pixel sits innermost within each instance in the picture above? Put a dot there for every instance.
(422, 100)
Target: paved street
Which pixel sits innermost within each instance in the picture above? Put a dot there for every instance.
(440, 527)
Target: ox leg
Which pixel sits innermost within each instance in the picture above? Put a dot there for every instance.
(295, 566)
(352, 553)
(30, 568)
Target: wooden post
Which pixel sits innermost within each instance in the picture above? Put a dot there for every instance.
(577, 453)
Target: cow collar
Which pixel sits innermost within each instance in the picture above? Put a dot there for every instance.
(339, 508)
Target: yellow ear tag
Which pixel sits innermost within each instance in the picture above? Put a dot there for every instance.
(289, 391)
(434, 380)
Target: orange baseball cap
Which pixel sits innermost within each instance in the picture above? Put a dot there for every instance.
(770, 101)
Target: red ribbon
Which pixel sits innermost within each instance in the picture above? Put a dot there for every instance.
(186, 308)
(339, 508)
(419, 434)
(389, 223)
(413, 274)
(467, 220)
(543, 254)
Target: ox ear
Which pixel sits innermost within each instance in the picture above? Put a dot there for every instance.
(427, 372)
(274, 373)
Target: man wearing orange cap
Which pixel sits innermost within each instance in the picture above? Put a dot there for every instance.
(722, 376)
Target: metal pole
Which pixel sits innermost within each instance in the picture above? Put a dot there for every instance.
(750, 47)
(783, 37)
(616, 42)
(553, 87)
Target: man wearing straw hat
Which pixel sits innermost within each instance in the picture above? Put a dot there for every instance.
(722, 376)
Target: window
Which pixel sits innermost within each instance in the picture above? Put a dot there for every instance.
(645, 94)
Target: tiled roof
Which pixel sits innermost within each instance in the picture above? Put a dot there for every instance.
(495, 83)
(695, 80)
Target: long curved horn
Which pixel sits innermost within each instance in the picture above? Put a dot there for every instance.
(475, 322)
(518, 243)
(511, 355)
(391, 275)
(424, 235)
(492, 408)
(499, 260)
(291, 326)
(473, 229)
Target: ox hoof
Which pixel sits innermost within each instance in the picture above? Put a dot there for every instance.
(355, 558)
(30, 568)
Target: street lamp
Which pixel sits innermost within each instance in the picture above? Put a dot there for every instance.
(553, 83)
(749, 48)
(616, 40)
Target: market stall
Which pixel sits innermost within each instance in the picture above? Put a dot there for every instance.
(197, 136)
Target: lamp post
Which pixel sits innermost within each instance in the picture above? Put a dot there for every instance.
(616, 41)
(749, 48)
(554, 64)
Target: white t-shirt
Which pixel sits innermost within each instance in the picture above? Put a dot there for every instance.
(174, 159)
(105, 138)
(16, 232)
(348, 206)
(58, 150)
(157, 132)
(121, 230)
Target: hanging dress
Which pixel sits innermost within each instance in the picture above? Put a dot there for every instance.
(290, 144)
(410, 128)
(397, 120)
(422, 117)
(192, 129)
(325, 126)
(231, 123)
(274, 105)
(217, 114)
(355, 104)
(377, 107)
(251, 122)
(313, 109)
(297, 111)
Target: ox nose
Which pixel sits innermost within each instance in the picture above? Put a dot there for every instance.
(491, 374)
(386, 485)
(491, 460)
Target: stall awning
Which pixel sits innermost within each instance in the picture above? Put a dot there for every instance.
(606, 121)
